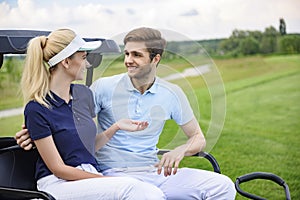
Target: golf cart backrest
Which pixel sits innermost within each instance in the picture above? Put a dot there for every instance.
(15, 42)
(17, 168)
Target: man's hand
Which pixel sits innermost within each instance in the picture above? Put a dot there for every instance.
(23, 139)
(170, 161)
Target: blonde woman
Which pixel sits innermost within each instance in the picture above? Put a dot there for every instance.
(59, 118)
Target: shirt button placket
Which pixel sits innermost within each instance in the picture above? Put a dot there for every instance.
(138, 105)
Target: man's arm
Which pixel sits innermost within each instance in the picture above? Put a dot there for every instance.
(195, 143)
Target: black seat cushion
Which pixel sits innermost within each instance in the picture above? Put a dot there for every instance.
(17, 168)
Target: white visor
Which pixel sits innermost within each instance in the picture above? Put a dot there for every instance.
(77, 44)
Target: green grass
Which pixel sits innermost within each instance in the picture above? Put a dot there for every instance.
(10, 96)
(10, 125)
(261, 130)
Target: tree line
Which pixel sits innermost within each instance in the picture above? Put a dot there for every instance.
(255, 42)
(244, 42)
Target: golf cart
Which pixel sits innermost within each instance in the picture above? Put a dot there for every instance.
(17, 166)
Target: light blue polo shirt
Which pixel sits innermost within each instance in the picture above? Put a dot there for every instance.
(116, 98)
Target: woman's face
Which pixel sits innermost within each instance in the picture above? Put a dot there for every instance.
(78, 64)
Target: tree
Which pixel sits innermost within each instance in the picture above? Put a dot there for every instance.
(269, 40)
(289, 44)
(238, 34)
(249, 46)
(230, 46)
(282, 26)
(257, 35)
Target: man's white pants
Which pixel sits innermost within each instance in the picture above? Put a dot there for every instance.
(186, 184)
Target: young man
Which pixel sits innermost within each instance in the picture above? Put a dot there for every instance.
(140, 95)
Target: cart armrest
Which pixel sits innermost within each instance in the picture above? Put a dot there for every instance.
(202, 154)
(260, 175)
(14, 193)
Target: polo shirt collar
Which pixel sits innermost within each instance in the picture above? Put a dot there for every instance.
(130, 87)
(56, 100)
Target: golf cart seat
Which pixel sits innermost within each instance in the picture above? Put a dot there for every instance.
(7, 142)
(17, 168)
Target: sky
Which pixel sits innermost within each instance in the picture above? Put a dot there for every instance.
(191, 19)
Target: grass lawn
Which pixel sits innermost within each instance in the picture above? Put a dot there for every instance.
(261, 129)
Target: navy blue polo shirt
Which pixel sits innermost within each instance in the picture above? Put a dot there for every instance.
(60, 121)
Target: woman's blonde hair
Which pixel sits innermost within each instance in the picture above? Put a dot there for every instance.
(37, 74)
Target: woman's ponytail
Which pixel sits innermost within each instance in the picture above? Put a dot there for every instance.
(35, 78)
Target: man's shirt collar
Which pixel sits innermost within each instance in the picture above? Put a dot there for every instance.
(130, 87)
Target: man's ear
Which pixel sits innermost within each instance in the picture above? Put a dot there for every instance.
(156, 59)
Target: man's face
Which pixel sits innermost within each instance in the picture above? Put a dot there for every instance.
(137, 60)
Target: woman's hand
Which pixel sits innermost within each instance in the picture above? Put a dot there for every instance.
(131, 125)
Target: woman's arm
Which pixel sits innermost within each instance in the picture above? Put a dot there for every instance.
(123, 124)
(50, 155)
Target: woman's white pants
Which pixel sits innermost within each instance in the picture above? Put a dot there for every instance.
(109, 188)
